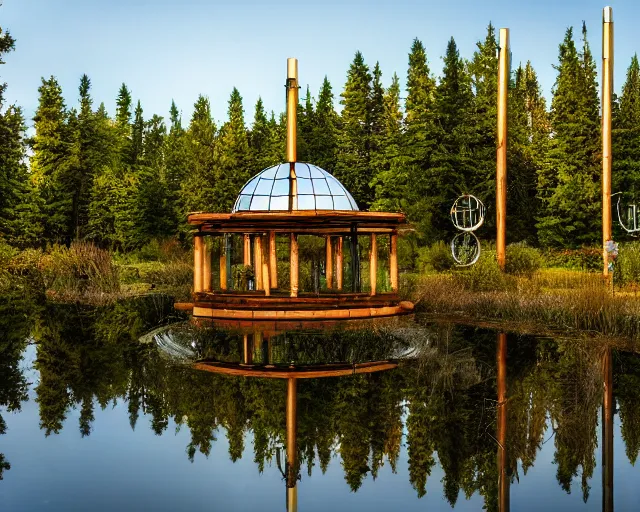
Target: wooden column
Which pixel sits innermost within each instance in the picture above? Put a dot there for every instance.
(257, 261)
(329, 263)
(264, 267)
(247, 349)
(246, 255)
(355, 261)
(393, 262)
(501, 154)
(501, 434)
(373, 264)
(206, 267)
(228, 249)
(273, 260)
(339, 263)
(607, 100)
(198, 248)
(293, 259)
(223, 263)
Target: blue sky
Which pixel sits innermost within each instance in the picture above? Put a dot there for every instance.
(178, 49)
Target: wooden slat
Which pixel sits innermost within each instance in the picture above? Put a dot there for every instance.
(293, 258)
(393, 262)
(329, 263)
(273, 260)
(339, 263)
(246, 254)
(373, 265)
(198, 245)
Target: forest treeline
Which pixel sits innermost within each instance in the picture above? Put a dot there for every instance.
(121, 180)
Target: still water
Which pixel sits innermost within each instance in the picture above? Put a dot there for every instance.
(105, 409)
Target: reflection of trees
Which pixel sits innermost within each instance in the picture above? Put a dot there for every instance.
(16, 320)
(448, 392)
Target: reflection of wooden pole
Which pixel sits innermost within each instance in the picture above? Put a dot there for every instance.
(246, 253)
(607, 433)
(273, 260)
(329, 262)
(206, 267)
(293, 258)
(373, 265)
(501, 160)
(393, 262)
(198, 248)
(257, 261)
(503, 475)
(607, 91)
(223, 263)
(339, 264)
(292, 398)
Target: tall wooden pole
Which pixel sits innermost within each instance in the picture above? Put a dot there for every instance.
(198, 250)
(292, 129)
(373, 265)
(393, 262)
(329, 262)
(339, 259)
(607, 91)
(273, 260)
(501, 157)
(503, 461)
(607, 433)
(293, 260)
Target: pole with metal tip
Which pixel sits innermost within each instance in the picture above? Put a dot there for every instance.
(501, 156)
(607, 92)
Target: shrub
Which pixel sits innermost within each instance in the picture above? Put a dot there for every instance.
(164, 250)
(436, 257)
(627, 266)
(586, 258)
(243, 277)
(522, 260)
(80, 269)
(483, 276)
(176, 273)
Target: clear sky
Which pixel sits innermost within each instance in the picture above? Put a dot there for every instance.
(180, 48)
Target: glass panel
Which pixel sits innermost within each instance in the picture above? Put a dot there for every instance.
(341, 203)
(279, 203)
(264, 187)
(281, 188)
(304, 186)
(316, 172)
(334, 186)
(302, 170)
(306, 203)
(269, 173)
(354, 205)
(251, 186)
(320, 187)
(324, 203)
(283, 171)
(243, 202)
(260, 203)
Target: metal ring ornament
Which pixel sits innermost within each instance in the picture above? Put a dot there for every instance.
(467, 213)
(632, 226)
(472, 251)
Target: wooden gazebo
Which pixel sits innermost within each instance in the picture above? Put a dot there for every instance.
(273, 209)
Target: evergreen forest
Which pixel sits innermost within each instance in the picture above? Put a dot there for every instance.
(121, 179)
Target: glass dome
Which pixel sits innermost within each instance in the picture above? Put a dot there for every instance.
(317, 190)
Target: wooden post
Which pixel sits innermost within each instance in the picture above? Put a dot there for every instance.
(264, 268)
(206, 267)
(246, 255)
(273, 260)
(329, 262)
(501, 157)
(373, 265)
(257, 261)
(607, 91)
(228, 250)
(339, 264)
(607, 433)
(393, 262)
(293, 259)
(223, 263)
(247, 349)
(197, 263)
(355, 263)
(503, 461)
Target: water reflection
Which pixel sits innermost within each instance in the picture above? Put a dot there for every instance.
(461, 413)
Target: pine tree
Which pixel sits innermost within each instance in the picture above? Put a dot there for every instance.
(233, 170)
(261, 141)
(353, 159)
(176, 165)
(324, 133)
(569, 184)
(305, 126)
(137, 136)
(377, 135)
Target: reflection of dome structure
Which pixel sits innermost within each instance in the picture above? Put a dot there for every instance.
(250, 265)
(316, 190)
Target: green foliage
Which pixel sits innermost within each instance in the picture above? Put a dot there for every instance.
(483, 276)
(585, 258)
(243, 277)
(522, 260)
(435, 257)
(627, 264)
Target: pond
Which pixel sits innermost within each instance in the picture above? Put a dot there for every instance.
(132, 407)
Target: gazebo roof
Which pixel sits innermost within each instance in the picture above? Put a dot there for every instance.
(316, 189)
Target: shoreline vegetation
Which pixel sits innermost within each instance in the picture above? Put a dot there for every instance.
(541, 293)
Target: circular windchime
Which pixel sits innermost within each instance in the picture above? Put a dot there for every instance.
(467, 215)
